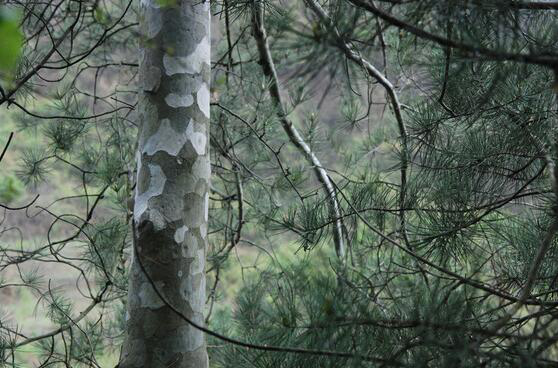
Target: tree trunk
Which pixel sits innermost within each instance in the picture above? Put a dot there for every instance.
(171, 197)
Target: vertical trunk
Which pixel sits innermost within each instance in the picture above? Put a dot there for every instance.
(171, 199)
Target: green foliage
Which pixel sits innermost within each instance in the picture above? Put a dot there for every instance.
(10, 189)
(303, 306)
(63, 135)
(34, 165)
(476, 205)
(11, 39)
(166, 3)
(101, 15)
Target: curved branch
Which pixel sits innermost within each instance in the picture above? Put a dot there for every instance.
(268, 67)
(6, 146)
(549, 60)
(73, 322)
(353, 55)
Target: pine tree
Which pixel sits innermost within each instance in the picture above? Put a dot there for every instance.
(416, 138)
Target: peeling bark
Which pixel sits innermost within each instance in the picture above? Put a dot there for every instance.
(171, 199)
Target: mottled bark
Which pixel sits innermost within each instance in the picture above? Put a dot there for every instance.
(171, 199)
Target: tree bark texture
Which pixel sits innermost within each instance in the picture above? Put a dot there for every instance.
(172, 190)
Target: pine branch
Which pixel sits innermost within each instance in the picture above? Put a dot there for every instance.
(268, 67)
(354, 55)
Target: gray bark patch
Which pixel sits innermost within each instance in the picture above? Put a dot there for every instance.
(165, 139)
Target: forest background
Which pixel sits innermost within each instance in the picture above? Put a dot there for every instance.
(383, 190)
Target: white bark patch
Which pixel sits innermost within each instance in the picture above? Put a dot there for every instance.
(154, 24)
(148, 298)
(176, 65)
(196, 266)
(190, 183)
(202, 54)
(203, 99)
(190, 245)
(198, 139)
(179, 274)
(201, 8)
(157, 181)
(206, 207)
(191, 64)
(179, 234)
(201, 168)
(200, 262)
(166, 139)
(194, 292)
(203, 230)
(138, 166)
(196, 254)
(174, 100)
